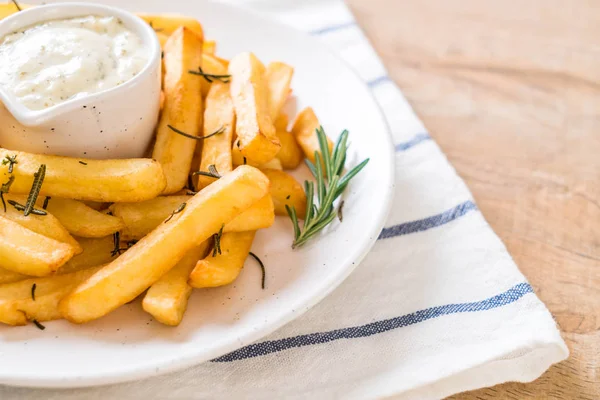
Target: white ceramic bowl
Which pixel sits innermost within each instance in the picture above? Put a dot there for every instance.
(115, 123)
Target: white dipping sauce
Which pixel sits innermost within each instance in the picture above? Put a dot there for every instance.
(55, 61)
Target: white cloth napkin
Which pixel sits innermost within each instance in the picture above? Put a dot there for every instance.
(438, 306)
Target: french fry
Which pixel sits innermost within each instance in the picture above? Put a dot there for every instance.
(224, 268)
(290, 154)
(210, 65)
(167, 24)
(83, 221)
(304, 129)
(146, 261)
(46, 225)
(167, 298)
(279, 78)
(94, 180)
(95, 252)
(8, 276)
(218, 116)
(256, 136)
(21, 303)
(209, 47)
(182, 109)
(141, 218)
(29, 253)
(286, 190)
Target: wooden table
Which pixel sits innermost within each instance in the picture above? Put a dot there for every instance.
(510, 90)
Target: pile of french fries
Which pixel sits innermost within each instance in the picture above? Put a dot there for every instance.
(185, 218)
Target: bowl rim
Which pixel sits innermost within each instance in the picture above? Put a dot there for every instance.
(49, 12)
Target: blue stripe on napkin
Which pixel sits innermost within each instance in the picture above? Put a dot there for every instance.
(421, 137)
(429, 222)
(333, 28)
(272, 346)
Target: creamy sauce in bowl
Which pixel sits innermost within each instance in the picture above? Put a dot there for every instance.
(55, 61)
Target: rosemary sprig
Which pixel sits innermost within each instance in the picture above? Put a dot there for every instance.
(211, 77)
(217, 245)
(330, 184)
(176, 211)
(212, 172)
(21, 207)
(11, 161)
(262, 268)
(187, 135)
(5, 188)
(38, 180)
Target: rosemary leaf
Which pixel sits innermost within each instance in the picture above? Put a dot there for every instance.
(211, 77)
(39, 326)
(33, 287)
(17, 5)
(262, 268)
(187, 135)
(46, 200)
(5, 188)
(176, 211)
(21, 207)
(11, 161)
(38, 180)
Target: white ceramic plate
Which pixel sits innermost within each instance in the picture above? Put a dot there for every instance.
(128, 344)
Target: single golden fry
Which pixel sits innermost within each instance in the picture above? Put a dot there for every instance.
(96, 180)
(29, 253)
(141, 218)
(224, 268)
(209, 47)
(290, 154)
(46, 225)
(210, 65)
(83, 221)
(286, 190)
(279, 79)
(95, 252)
(8, 276)
(167, 298)
(182, 109)
(146, 261)
(167, 24)
(256, 136)
(304, 128)
(218, 117)
(18, 305)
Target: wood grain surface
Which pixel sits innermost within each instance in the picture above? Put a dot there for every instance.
(510, 90)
